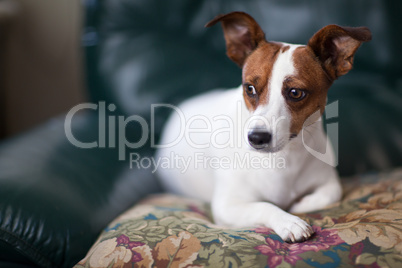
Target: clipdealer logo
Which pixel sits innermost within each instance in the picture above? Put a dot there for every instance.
(112, 134)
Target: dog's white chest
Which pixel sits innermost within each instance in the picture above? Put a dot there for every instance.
(281, 183)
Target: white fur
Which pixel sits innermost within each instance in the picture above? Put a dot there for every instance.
(250, 195)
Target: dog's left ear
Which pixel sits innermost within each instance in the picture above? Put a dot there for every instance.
(336, 46)
(242, 34)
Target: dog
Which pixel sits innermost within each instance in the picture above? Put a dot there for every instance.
(284, 86)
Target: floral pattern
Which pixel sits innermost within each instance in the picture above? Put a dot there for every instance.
(121, 252)
(279, 252)
(364, 229)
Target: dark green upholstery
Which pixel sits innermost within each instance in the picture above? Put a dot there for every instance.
(55, 198)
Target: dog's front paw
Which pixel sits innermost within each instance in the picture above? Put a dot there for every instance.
(293, 229)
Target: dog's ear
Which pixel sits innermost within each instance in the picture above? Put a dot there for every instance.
(242, 34)
(336, 46)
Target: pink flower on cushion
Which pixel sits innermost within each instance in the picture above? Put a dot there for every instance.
(322, 239)
(136, 257)
(356, 250)
(263, 230)
(278, 251)
(124, 241)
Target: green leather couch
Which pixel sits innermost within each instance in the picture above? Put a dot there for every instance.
(55, 198)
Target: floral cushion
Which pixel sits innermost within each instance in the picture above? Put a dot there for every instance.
(364, 229)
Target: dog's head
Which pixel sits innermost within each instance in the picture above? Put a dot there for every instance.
(284, 84)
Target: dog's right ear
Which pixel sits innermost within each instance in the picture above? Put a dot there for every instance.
(242, 34)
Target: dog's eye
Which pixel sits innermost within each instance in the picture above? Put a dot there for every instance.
(250, 90)
(296, 94)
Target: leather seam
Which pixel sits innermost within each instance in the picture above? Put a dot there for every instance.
(25, 247)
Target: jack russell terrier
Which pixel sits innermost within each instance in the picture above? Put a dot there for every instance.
(283, 87)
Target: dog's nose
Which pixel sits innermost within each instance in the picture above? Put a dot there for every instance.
(259, 138)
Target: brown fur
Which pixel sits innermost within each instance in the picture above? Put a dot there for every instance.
(336, 46)
(242, 34)
(257, 71)
(311, 78)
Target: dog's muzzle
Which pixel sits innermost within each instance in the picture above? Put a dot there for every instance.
(259, 138)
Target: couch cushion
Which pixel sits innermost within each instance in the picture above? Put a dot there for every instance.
(170, 231)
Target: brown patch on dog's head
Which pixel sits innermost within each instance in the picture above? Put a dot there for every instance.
(257, 71)
(313, 80)
(285, 48)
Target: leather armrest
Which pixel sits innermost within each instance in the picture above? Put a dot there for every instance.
(55, 198)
